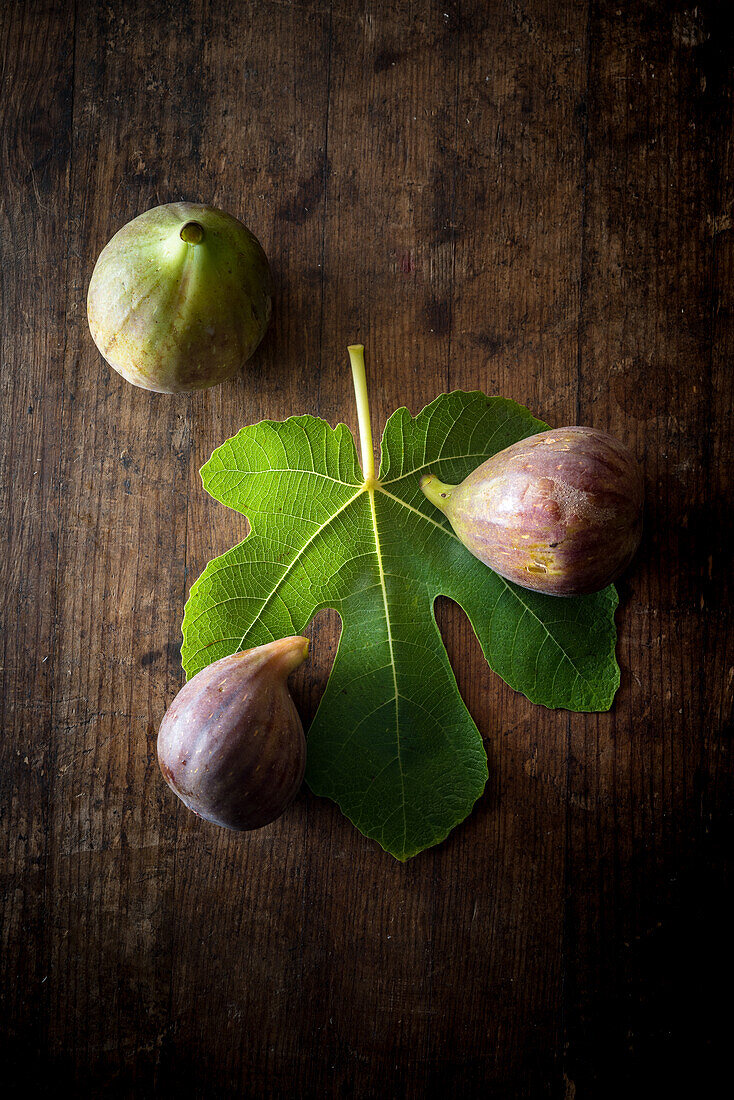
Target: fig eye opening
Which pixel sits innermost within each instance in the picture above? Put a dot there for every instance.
(192, 233)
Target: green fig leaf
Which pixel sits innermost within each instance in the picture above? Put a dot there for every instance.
(392, 741)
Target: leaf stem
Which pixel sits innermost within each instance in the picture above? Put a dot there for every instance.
(356, 358)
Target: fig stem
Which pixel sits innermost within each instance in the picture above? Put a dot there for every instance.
(192, 233)
(437, 492)
(287, 654)
(356, 358)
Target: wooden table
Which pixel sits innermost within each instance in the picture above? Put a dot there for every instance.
(530, 197)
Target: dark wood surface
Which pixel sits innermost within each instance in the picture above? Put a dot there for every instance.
(531, 197)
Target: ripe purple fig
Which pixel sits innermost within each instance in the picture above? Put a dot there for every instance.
(559, 512)
(231, 743)
(180, 298)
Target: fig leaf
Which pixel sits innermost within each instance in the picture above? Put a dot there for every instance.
(392, 742)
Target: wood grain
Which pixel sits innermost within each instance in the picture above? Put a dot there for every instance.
(34, 212)
(529, 197)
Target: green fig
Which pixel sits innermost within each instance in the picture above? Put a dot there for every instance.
(231, 743)
(559, 512)
(180, 298)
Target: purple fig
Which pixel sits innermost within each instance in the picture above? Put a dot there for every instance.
(231, 743)
(559, 512)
